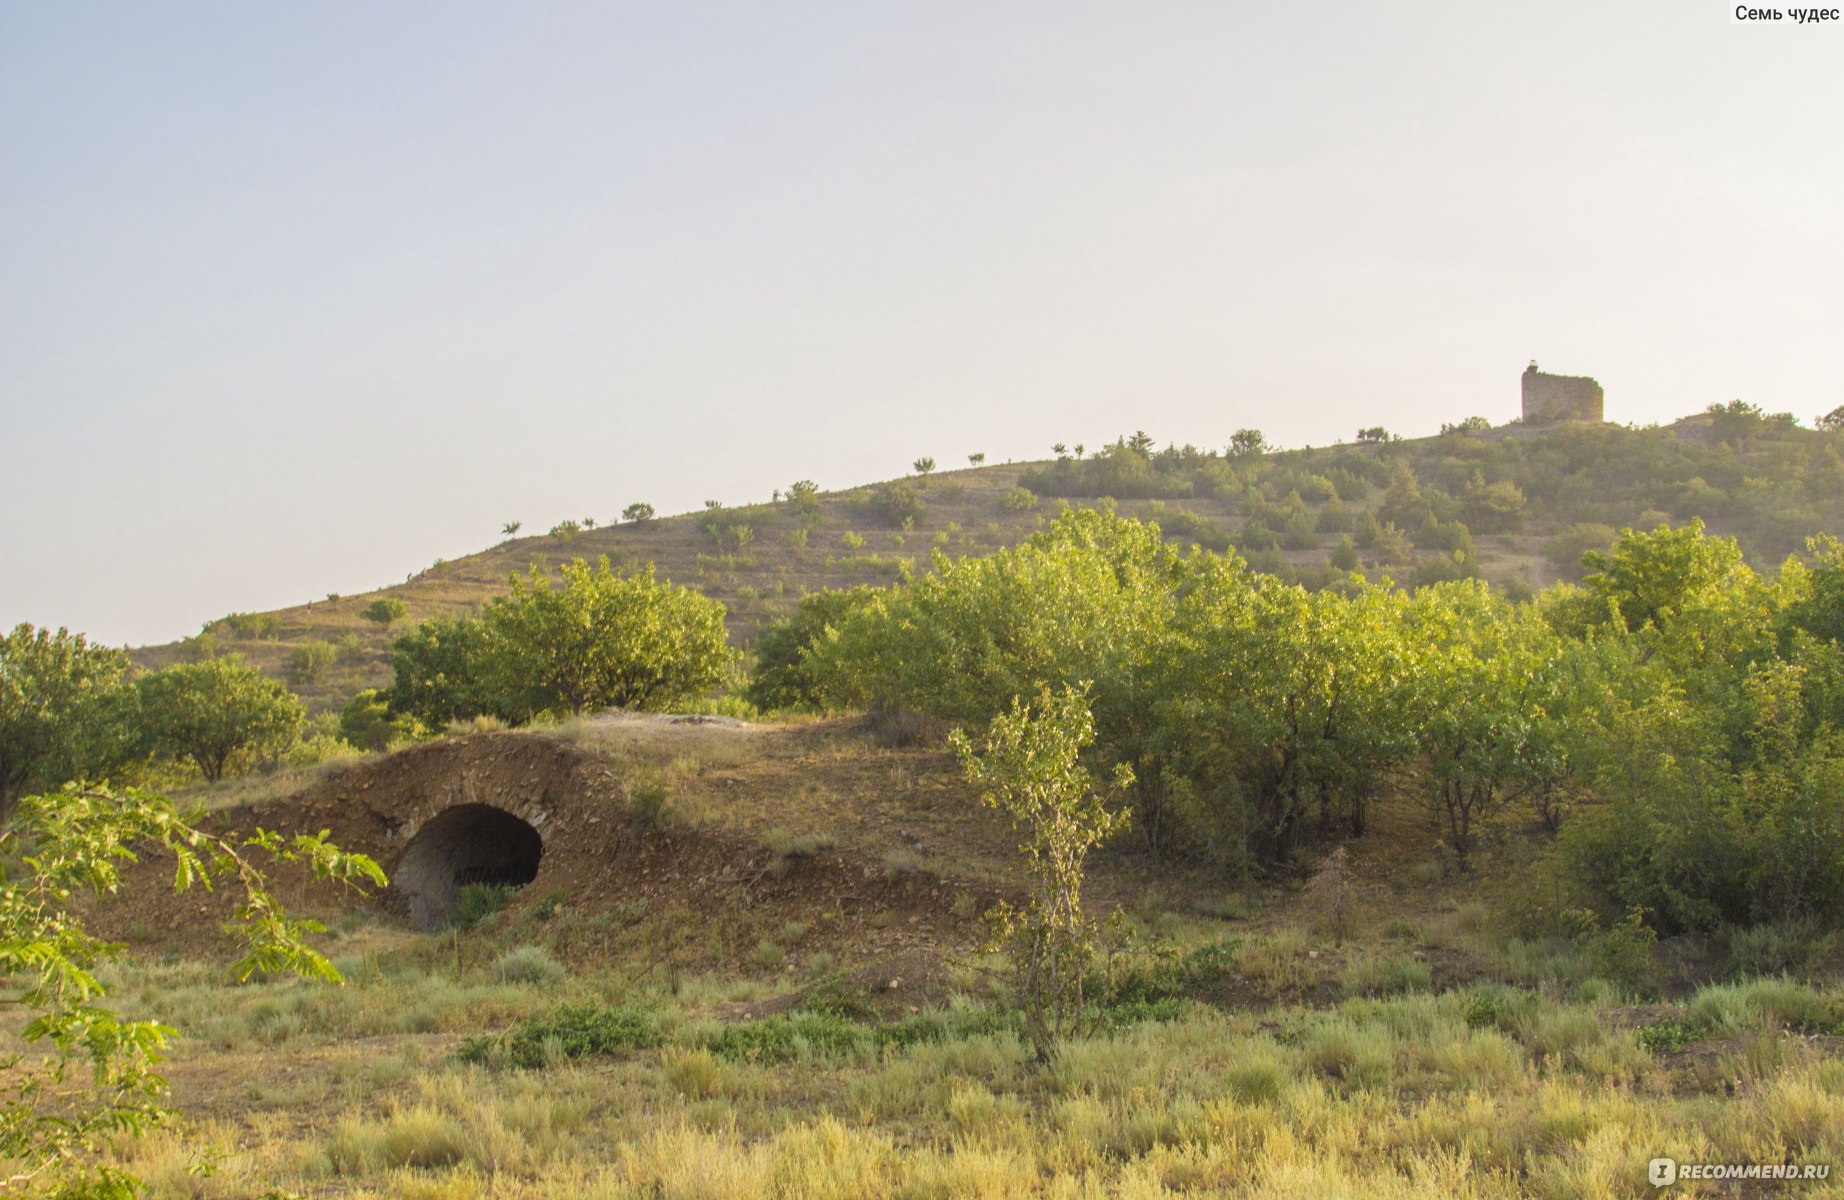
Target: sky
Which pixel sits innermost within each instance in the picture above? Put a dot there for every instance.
(295, 299)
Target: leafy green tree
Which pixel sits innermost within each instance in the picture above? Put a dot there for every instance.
(1247, 443)
(1487, 702)
(65, 712)
(600, 640)
(1649, 577)
(1833, 421)
(566, 531)
(384, 612)
(367, 722)
(439, 674)
(511, 528)
(782, 678)
(1735, 423)
(924, 466)
(637, 513)
(974, 460)
(101, 1080)
(220, 714)
(1030, 765)
(1283, 710)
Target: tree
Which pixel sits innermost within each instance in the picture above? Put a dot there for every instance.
(1736, 422)
(976, 459)
(511, 527)
(439, 672)
(384, 612)
(1030, 764)
(782, 677)
(637, 513)
(367, 722)
(64, 711)
(217, 713)
(1650, 577)
(600, 640)
(1833, 421)
(924, 466)
(102, 1080)
(1487, 700)
(565, 531)
(1247, 443)
(804, 497)
(1374, 433)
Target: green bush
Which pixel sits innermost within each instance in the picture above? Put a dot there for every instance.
(1018, 499)
(479, 901)
(528, 964)
(564, 1034)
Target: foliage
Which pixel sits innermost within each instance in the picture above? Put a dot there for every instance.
(480, 901)
(1017, 499)
(782, 678)
(563, 1034)
(1029, 764)
(101, 1079)
(309, 661)
(439, 674)
(368, 723)
(924, 466)
(511, 528)
(221, 714)
(249, 625)
(804, 497)
(637, 513)
(65, 712)
(1649, 577)
(384, 612)
(599, 640)
(897, 504)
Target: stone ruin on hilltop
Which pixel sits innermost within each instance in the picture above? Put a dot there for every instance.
(1560, 397)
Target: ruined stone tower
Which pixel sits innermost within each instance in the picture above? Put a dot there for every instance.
(1560, 397)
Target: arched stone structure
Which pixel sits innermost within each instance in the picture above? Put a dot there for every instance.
(469, 843)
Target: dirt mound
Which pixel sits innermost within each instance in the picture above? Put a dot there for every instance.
(534, 811)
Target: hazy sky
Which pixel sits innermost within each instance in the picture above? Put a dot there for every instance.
(297, 298)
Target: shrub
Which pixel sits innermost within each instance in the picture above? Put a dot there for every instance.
(1018, 499)
(528, 964)
(310, 660)
(480, 901)
(896, 504)
(649, 805)
(383, 612)
(565, 1033)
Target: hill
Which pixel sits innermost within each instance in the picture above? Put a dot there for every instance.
(1517, 504)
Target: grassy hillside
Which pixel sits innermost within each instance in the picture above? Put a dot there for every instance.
(1517, 505)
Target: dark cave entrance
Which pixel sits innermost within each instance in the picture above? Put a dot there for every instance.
(469, 843)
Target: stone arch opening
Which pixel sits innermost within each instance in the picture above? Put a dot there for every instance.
(469, 843)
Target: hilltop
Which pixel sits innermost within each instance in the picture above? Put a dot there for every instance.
(1516, 504)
